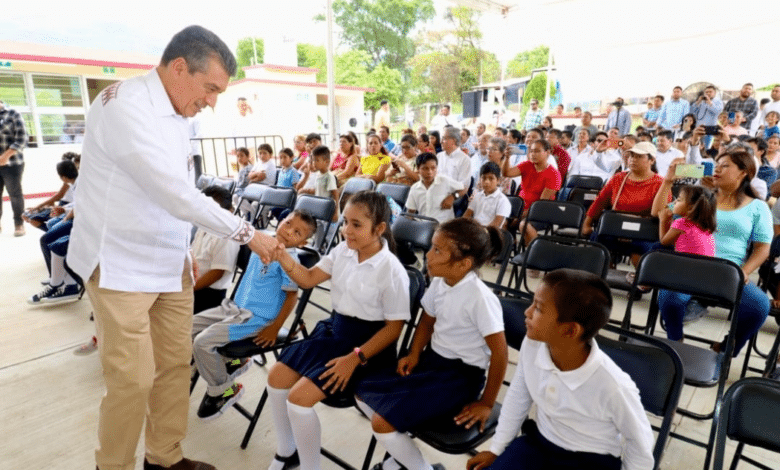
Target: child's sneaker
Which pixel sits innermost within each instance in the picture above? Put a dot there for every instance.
(47, 291)
(237, 367)
(213, 407)
(64, 293)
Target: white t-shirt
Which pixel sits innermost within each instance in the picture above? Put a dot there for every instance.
(215, 253)
(594, 408)
(375, 290)
(456, 165)
(465, 314)
(269, 168)
(427, 201)
(487, 206)
(324, 183)
(664, 159)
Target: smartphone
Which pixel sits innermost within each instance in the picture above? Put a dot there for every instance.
(711, 130)
(732, 116)
(689, 171)
(709, 167)
(614, 143)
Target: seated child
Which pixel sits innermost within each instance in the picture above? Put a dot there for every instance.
(288, 176)
(264, 171)
(215, 258)
(242, 178)
(434, 195)
(588, 410)
(37, 216)
(460, 335)
(259, 309)
(489, 206)
(772, 117)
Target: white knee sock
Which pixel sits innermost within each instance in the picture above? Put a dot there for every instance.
(285, 444)
(403, 450)
(69, 281)
(57, 270)
(306, 430)
(365, 409)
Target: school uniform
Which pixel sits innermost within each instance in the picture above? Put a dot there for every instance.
(364, 296)
(213, 253)
(586, 411)
(451, 372)
(487, 206)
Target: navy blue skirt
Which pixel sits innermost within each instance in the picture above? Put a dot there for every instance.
(331, 338)
(436, 387)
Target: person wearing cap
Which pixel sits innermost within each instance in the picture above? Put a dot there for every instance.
(382, 116)
(619, 117)
(630, 191)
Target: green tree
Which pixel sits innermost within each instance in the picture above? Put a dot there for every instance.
(381, 27)
(245, 55)
(535, 89)
(313, 57)
(526, 61)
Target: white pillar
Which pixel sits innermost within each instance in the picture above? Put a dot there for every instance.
(331, 79)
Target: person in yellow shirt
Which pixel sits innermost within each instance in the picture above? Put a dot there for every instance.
(375, 164)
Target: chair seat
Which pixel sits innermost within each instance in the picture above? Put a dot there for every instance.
(702, 366)
(246, 348)
(568, 232)
(518, 259)
(446, 436)
(616, 279)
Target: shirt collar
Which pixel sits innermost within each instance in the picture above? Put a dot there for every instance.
(374, 260)
(494, 194)
(160, 99)
(572, 378)
(467, 279)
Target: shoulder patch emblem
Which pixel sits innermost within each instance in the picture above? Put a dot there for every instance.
(109, 93)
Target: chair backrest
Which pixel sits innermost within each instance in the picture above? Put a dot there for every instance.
(561, 213)
(277, 196)
(321, 208)
(514, 303)
(227, 183)
(584, 181)
(516, 205)
(628, 226)
(204, 181)
(750, 414)
(399, 192)
(355, 185)
(657, 371)
(583, 196)
(253, 192)
(548, 253)
(715, 279)
(505, 255)
(416, 291)
(415, 229)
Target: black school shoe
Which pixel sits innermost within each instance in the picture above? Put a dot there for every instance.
(289, 462)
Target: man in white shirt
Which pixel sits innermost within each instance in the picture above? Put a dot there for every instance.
(382, 117)
(443, 119)
(665, 152)
(452, 161)
(137, 203)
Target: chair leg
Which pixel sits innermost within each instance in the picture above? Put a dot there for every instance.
(746, 364)
(771, 360)
(255, 418)
(737, 456)
(369, 453)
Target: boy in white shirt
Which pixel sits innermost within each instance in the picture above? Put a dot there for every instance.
(434, 195)
(489, 205)
(588, 410)
(264, 171)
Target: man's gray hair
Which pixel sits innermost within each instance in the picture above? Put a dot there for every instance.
(197, 45)
(452, 133)
(499, 142)
(737, 146)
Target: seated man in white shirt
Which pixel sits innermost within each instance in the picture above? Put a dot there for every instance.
(599, 161)
(489, 206)
(665, 152)
(589, 414)
(434, 195)
(452, 161)
(215, 258)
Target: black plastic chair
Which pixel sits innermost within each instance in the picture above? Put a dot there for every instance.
(723, 288)
(749, 415)
(204, 181)
(553, 216)
(323, 210)
(413, 232)
(249, 204)
(505, 255)
(274, 197)
(517, 205)
(225, 182)
(617, 230)
(352, 186)
(657, 371)
(399, 192)
(584, 181)
(583, 196)
(768, 280)
(548, 253)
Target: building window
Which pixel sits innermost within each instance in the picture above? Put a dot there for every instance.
(12, 90)
(59, 104)
(57, 91)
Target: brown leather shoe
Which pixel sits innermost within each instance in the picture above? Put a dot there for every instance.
(183, 464)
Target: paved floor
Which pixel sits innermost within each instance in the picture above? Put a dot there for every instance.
(51, 396)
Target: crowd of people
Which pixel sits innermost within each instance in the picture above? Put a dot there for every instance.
(145, 271)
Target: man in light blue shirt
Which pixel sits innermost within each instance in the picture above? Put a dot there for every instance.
(707, 108)
(673, 111)
(533, 117)
(619, 117)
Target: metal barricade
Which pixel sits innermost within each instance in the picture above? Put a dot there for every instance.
(219, 153)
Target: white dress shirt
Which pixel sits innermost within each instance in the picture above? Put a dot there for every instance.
(594, 408)
(465, 314)
(456, 165)
(136, 197)
(592, 163)
(375, 290)
(427, 201)
(487, 206)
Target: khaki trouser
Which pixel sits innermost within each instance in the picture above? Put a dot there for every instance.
(145, 346)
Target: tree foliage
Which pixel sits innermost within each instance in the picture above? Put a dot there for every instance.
(535, 89)
(526, 61)
(313, 57)
(245, 54)
(382, 28)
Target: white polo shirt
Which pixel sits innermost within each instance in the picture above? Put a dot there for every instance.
(465, 314)
(375, 290)
(427, 201)
(269, 168)
(212, 252)
(594, 408)
(136, 198)
(487, 206)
